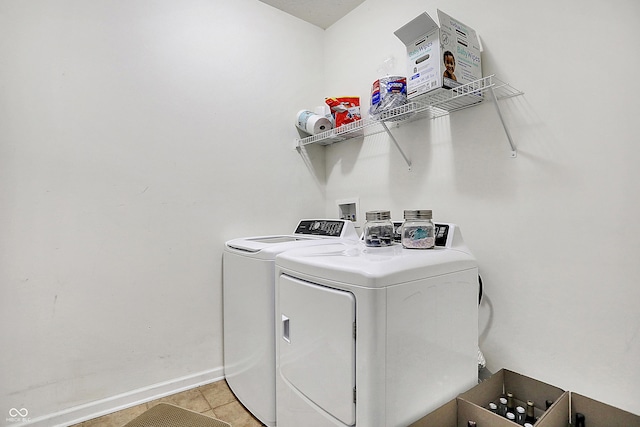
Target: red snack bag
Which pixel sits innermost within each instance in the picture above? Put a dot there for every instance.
(344, 109)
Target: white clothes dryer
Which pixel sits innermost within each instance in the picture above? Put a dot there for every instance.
(248, 309)
(374, 336)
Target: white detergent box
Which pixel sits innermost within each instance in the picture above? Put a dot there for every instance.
(439, 57)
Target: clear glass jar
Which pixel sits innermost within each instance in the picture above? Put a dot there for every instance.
(378, 230)
(418, 231)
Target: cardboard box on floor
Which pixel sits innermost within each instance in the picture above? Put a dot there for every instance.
(598, 414)
(472, 404)
(431, 47)
(557, 415)
(457, 412)
(523, 388)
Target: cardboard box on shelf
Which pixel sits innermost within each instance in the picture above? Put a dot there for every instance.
(523, 388)
(439, 57)
(457, 413)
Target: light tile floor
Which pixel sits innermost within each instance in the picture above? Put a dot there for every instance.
(215, 400)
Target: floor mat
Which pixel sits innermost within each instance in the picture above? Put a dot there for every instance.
(166, 415)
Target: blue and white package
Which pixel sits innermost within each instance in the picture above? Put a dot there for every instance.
(387, 93)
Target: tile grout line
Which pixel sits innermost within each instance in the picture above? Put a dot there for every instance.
(206, 400)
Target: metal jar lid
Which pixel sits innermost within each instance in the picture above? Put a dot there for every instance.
(418, 214)
(378, 215)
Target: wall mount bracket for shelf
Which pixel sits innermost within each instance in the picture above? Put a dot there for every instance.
(514, 152)
(404, 156)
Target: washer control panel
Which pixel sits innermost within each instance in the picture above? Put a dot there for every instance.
(321, 227)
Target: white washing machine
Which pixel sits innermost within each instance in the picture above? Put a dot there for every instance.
(374, 336)
(248, 307)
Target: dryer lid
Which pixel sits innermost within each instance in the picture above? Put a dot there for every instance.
(357, 264)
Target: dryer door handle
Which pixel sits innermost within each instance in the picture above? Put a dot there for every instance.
(285, 329)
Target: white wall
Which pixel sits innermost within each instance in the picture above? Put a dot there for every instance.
(555, 230)
(135, 138)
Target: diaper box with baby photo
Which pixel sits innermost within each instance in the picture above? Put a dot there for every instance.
(439, 57)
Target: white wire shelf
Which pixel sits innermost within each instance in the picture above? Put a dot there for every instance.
(431, 105)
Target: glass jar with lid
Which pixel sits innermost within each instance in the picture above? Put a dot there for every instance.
(418, 231)
(378, 230)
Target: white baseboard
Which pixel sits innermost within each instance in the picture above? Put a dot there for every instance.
(87, 411)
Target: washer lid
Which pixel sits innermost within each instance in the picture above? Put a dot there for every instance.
(308, 232)
(359, 265)
(259, 243)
